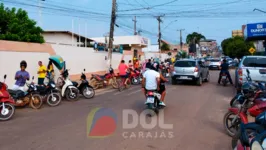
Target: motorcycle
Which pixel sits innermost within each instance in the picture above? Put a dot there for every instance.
(250, 132)
(98, 81)
(84, 88)
(240, 113)
(135, 77)
(30, 97)
(6, 103)
(224, 79)
(49, 93)
(68, 89)
(153, 102)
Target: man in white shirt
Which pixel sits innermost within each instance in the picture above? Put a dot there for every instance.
(151, 80)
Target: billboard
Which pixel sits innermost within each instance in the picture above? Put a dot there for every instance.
(255, 31)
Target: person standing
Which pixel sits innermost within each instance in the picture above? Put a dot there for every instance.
(42, 73)
(21, 76)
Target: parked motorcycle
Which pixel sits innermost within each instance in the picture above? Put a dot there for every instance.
(30, 97)
(6, 103)
(135, 77)
(98, 81)
(69, 90)
(84, 87)
(50, 93)
(247, 133)
(236, 115)
(152, 102)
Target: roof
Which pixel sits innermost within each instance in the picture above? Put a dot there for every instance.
(67, 32)
(208, 40)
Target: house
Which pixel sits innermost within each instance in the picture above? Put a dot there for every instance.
(66, 38)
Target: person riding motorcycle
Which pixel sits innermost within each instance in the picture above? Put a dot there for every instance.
(21, 76)
(162, 89)
(224, 69)
(151, 81)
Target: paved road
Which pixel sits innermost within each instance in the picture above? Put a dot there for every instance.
(195, 112)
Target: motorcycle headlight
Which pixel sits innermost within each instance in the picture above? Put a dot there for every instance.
(256, 146)
(53, 85)
(35, 88)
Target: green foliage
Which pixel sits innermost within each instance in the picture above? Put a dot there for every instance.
(165, 47)
(15, 25)
(181, 54)
(236, 47)
(197, 36)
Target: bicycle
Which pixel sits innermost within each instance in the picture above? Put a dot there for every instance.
(123, 83)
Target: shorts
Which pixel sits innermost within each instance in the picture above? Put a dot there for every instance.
(124, 76)
(40, 81)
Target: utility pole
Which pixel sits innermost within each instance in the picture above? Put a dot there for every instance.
(160, 34)
(135, 25)
(40, 12)
(181, 44)
(111, 35)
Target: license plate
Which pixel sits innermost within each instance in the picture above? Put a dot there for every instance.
(150, 100)
(183, 77)
(223, 77)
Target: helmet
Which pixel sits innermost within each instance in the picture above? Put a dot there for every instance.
(23, 63)
(155, 66)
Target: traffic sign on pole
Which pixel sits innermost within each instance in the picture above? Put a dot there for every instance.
(252, 50)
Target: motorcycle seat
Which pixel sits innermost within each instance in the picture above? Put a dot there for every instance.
(40, 88)
(75, 83)
(16, 93)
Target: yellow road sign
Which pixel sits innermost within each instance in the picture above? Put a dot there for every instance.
(252, 50)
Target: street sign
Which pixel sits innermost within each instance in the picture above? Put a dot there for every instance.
(252, 50)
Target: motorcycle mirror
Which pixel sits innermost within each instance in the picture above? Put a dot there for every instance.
(84, 69)
(5, 76)
(32, 77)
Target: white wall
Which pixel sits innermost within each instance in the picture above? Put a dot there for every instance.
(124, 40)
(149, 55)
(78, 58)
(10, 64)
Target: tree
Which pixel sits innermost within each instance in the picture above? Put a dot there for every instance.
(15, 25)
(236, 47)
(197, 36)
(165, 47)
(181, 54)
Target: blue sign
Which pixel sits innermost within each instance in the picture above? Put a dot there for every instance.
(255, 30)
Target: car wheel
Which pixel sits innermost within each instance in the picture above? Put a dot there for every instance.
(199, 81)
(208, 77)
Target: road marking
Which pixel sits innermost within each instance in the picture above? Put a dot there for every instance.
(134, 92)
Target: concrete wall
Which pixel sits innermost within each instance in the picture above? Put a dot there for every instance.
(77, 58)
(149, 55)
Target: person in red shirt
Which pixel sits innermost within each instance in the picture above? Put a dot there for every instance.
(123, 69)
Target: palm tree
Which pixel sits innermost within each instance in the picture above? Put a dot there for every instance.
(194, 36)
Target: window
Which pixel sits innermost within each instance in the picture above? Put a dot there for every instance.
(185, 64)
(254, 62)
(215, 60)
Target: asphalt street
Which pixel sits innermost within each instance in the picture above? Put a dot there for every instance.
(196, 113)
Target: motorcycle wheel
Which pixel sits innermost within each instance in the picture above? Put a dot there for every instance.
(72, 96)
(135, 81)
(231, 129)
(114, 83)
(233, 102)
(36, 101)
(224, 82)
(8, 113)
(88, 92)
(150, 112)
(94, 83)
(54, 99)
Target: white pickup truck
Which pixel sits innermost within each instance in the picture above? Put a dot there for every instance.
(256, 66)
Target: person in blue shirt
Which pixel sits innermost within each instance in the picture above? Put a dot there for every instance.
(21, 76)
(224, 69)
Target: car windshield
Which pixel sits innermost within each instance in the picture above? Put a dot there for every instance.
(185, 64)
(215, 60)
(254, 62)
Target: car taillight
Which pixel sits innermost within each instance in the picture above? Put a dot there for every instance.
(196, 69)
(240, 73)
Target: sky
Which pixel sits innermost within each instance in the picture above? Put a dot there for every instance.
(215, 19)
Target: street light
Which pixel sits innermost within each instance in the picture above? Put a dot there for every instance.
(259, 10)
